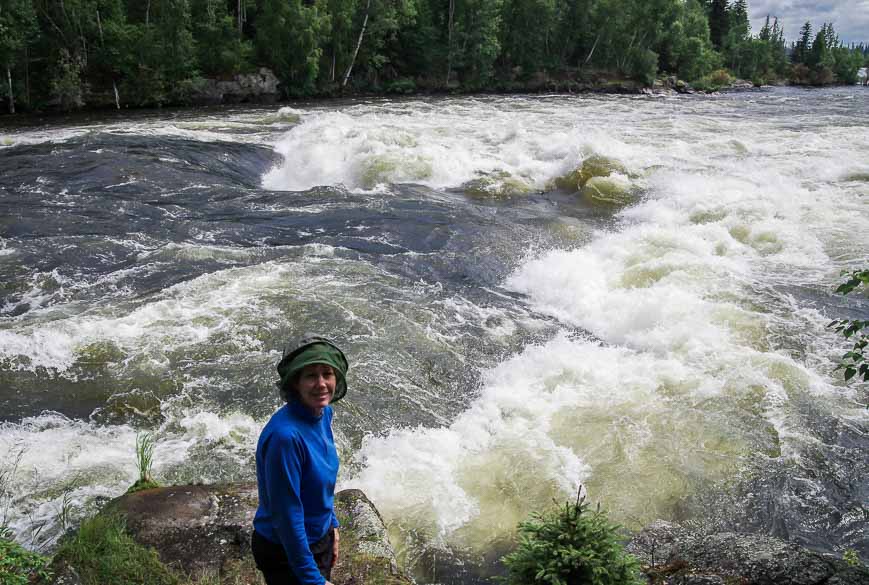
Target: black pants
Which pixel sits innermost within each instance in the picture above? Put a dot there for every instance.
(272, 560)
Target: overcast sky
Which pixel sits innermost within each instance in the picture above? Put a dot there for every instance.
(850, 18)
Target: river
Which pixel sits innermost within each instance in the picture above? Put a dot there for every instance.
(509, 341)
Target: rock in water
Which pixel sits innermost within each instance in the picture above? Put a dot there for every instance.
(675, 555)
(608, 190)
(496, 184)
(593, 166)
(204, 531)
(366, 555)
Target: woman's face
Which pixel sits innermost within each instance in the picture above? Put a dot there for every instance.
(316, 386)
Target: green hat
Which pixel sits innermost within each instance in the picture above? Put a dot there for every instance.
(313, 349)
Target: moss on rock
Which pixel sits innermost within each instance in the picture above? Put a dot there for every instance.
(200, 535)
(366, 555)
(608, 191)
(496, 184)
(594, 166)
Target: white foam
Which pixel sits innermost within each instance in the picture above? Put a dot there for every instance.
(683, 294)
(39, 136)
(183, 314)
(60, 456)
(5, 249)
(470, 482)
(87, 462)
(362, 148)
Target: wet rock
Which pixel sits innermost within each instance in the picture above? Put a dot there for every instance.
(204, 531)
(608, 191)
(593, 166)
(260, 87)
(741, 84)
(196, 529)
(496, 184)
(62, 573)
(682, 87)
(366, 555)
(658, 543)
(674, 555)
(698, 580)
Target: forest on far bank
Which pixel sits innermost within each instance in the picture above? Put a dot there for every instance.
(66, 54)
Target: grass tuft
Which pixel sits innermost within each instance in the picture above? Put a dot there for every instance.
(104, 554)
(144, 461)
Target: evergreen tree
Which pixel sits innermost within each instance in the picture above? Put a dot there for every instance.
(738, 20)
(220, 49)
(378, 25)
(719, 22)
(477, 42)
(804, 44)
(338, 49)
(765, 32)
(574, 36)
(737, 50)
(288, 38)
(819, 54)
(17, 27)
(695, 56)
(846, 64)
(779, 53)
(528, 31)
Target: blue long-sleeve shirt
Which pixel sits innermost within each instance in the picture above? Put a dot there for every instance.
(296, 470)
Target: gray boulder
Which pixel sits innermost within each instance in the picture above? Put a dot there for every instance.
(675, 555)
(258, 87)
(197, 530)
(741, 84)
(204, 531)
(366, 555)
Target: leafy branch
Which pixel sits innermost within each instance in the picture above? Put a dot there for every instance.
(854, 361)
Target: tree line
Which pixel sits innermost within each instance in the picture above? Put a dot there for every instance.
(65, 53)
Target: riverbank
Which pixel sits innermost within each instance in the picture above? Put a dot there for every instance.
(246, 91)
(262, 87)
(198, 535)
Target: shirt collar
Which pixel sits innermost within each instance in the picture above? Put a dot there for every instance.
(299, 410)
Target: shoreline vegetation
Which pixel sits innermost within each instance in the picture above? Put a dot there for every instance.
(96, 54)
(200, 534)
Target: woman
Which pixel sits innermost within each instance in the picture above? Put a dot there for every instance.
(295, 537)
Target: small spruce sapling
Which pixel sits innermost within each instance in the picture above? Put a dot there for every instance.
(571, 546)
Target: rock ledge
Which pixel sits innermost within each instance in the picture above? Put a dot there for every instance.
(677, 556)
(204, 531)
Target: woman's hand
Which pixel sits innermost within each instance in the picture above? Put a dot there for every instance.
(335, 548)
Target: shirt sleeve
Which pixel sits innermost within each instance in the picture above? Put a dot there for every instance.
(335, 523)
(331, 413)
(283, 471)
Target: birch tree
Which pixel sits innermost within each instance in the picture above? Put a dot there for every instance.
(381, 20)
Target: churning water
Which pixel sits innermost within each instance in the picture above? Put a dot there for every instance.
(509, 340)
